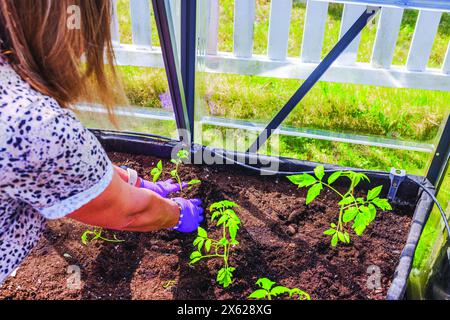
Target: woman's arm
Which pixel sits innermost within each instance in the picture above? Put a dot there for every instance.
(124, 207)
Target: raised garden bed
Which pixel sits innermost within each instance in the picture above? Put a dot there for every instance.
(280, 238)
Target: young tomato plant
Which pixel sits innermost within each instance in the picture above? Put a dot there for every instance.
(223, 213)
(268, 290)
(178, 161)
(157, 171)
(360, 211)
(97, 234)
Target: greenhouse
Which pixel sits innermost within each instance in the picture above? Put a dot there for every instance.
(247, 150)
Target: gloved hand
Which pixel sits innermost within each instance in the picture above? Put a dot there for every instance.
(163, 188)
(191, 215)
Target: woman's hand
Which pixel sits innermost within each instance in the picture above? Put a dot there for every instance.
(191, 215)
(163, 188)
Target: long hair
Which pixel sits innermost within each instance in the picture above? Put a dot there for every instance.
(60, 46)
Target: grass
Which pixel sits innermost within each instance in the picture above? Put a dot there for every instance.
(405, 114)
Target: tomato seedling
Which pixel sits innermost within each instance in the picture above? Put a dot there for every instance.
(223, 213)
(157, 171)
(175, 173)
(359, 211)
(268, 290)
(97, 234)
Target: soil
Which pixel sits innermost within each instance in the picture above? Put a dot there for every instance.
(280, 238)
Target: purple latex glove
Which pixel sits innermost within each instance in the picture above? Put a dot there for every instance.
(163, 188)
(191, 215)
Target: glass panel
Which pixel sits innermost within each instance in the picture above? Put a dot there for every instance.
(356, 125)
(433, 240)
(141, 69)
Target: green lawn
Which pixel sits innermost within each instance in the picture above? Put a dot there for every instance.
(387, 112)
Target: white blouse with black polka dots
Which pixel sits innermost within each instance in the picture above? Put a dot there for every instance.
(50, 166)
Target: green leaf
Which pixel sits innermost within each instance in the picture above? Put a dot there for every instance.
(280, 290)
(350, 214)
(319, 171)
(334, 240)
(222, 220)
(228, 204)
(195, 256)
(173, 173)
(208, 245)
(383, 204)
(183, 154)
(222, 205)
(215, 215)
(265, 283)
(194, 182)
(258, 294)
(160, 165)
(372, 213)
(85, 237)
(196, 241)
(231, 214)
(232, 229)
(200, 244)
(220, 274)
(302, 180)
(334, 177)
(366, 214)
(359, 225)
(202, 232)
(302, 295)
(372, 194)
(347, 200)
(223, 242)
(341, 237)
(225, 276)
(347, 237)
(356, 178)
(156, 177)
(330, 232)
(313, 192)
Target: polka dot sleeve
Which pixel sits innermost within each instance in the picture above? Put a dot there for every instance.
(55, 165)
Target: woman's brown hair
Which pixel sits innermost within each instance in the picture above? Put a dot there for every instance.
(45, 50)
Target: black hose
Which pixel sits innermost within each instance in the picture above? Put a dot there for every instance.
(286, 173)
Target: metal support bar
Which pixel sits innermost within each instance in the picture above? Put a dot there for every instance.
(188, 56)
(169, 53)
(440, 160)
(338, 49)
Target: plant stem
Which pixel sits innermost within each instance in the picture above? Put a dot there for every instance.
(340, 194)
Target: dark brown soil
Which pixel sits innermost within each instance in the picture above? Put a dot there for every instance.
(281, 238)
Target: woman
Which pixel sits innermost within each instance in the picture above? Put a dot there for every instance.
(51, 166)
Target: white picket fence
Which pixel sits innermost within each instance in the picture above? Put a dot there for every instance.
(276, 63)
